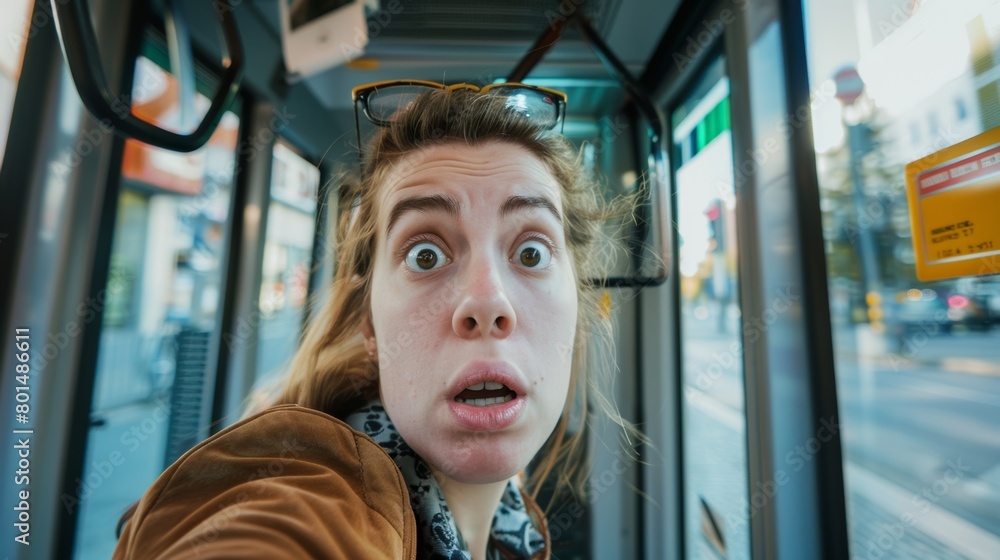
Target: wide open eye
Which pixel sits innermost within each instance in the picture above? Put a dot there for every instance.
(534, 253)
(425, 256)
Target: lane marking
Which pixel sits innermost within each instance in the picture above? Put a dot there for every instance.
(715, 408)
(970, 365)
(942, 390)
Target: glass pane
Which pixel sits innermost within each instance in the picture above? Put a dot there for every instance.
(160, 307)
(288, 245)
(714, 421)
(14, 31)
(918, 370)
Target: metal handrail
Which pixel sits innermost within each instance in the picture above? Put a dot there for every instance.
(658, 174)
(79, 45)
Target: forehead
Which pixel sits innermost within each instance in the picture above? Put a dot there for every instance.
(487, 174)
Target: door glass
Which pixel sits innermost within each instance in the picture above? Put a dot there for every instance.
(917, 363)
(160, 306)
(14, 30)
(714, 421)
(288, 245)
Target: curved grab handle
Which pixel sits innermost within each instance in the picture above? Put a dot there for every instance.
(79, 45)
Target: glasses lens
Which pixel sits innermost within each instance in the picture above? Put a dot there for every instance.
(539, 106)
(386, 102)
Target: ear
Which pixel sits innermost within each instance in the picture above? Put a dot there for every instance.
(368, 332)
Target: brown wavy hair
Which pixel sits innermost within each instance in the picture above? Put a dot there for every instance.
(332, 371)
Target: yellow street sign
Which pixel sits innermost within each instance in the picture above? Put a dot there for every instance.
(954, 198)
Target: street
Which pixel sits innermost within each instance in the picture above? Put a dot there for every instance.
(919, 425)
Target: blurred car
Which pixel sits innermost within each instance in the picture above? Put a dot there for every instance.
(972, 312)
(993, 305)
(988, 295)
(918, 310)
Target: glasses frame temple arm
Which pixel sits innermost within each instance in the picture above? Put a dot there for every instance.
(79, 44)
(357, 131)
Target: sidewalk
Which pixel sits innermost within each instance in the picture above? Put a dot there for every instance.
(969, 353)
(887, 522)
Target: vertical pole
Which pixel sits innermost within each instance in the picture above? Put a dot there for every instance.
(858, 144)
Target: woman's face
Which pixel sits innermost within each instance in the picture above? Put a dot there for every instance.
(474, 307)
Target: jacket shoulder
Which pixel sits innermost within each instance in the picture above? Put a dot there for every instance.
(289, 482)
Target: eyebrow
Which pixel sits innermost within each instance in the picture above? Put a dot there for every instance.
(523, 203)
(449, 205)
(434, 203)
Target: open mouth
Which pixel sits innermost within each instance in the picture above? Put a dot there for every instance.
(485, 394)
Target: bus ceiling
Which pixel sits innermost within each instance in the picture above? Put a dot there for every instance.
(305, 26)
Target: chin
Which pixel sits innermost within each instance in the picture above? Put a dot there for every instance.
(479, 462)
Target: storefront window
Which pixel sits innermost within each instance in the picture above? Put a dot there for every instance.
(291, 225)
(917, 363)
(162, 300)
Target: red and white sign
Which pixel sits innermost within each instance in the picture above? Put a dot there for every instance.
(961, 172)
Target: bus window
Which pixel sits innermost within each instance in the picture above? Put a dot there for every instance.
(714, 419)
(288, 246)
(163, 295)
(14, 29)
(918, 371)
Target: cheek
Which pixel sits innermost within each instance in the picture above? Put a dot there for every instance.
(409, 326)
(553, 322)
(409, 321)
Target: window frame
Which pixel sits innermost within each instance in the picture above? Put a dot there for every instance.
(146, 32)
(808, 518)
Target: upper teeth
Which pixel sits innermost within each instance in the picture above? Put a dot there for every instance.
(486, 385)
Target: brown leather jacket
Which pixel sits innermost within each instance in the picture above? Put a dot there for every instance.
(289, 482)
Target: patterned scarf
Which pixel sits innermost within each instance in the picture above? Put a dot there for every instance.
(438, 536)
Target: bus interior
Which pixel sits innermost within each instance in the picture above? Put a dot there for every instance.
(170, 176)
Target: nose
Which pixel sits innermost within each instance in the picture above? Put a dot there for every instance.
(483, 307)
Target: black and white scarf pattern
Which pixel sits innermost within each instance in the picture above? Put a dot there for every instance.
(438, 537)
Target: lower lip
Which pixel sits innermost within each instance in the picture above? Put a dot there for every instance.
(490, 417)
